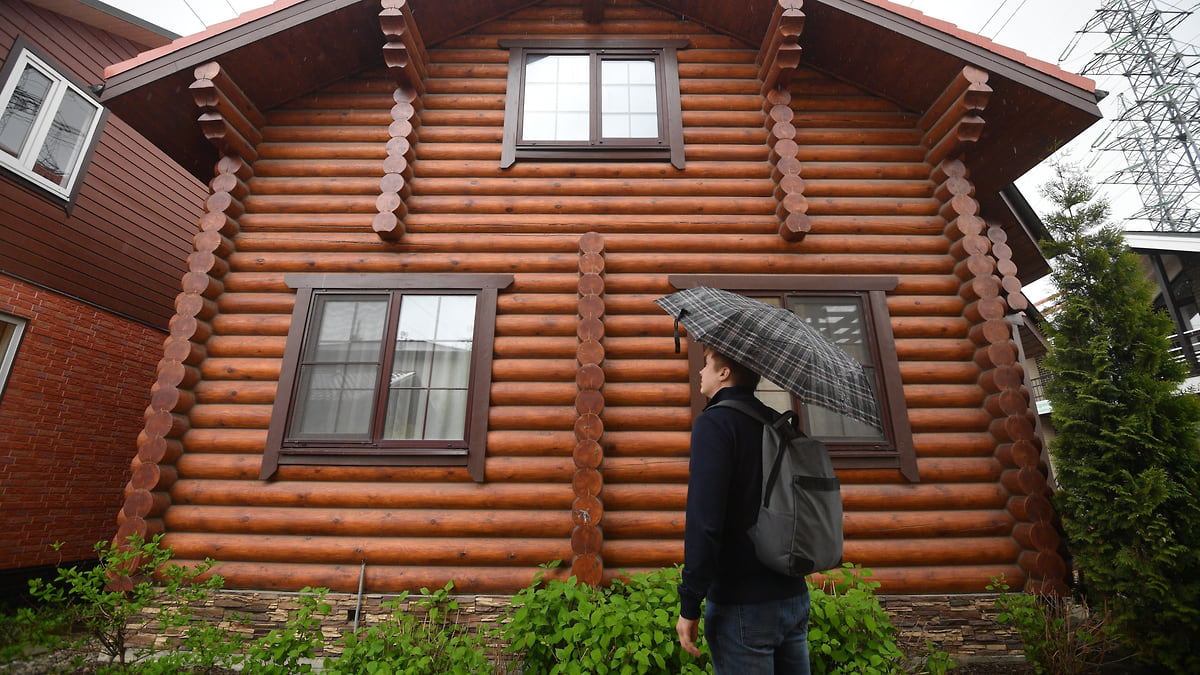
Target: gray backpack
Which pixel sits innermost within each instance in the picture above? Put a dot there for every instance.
(799, 527)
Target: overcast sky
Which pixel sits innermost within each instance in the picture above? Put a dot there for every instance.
(1045, 29)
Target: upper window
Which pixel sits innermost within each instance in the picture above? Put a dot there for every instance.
(852, 312)
(47, 124)
(386, 369)
(594, 99)
(11, 329)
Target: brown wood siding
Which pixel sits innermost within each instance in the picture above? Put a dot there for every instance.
(124, 241)
(310, 208)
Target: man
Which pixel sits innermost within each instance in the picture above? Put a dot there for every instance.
(756, 620)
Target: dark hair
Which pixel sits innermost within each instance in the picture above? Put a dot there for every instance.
(739, 375)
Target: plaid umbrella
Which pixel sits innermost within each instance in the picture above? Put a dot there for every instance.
(778, 345)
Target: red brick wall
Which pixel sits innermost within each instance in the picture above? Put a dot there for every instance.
(69, 420)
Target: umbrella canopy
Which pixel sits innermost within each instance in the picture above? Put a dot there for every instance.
(778, 345)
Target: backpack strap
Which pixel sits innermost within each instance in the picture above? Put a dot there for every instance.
(785, 427)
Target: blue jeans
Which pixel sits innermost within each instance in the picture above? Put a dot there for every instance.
(765, 638)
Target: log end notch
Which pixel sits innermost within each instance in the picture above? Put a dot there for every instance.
(955, 121)
(780, 54)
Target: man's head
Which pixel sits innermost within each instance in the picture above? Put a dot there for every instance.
(720, 371)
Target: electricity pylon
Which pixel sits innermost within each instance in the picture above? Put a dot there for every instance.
(1158, 128)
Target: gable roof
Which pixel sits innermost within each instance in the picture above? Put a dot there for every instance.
(108, 18)
(293, 47)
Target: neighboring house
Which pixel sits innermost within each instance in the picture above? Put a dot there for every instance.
(95, 229)
(418, 341)
(1172, 260)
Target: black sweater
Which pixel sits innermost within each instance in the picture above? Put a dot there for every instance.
(724, 493)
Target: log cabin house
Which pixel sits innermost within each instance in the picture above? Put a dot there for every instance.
(95, 229)
(417, 342)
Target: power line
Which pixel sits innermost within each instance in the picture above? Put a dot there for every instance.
(1010, 18)
(985, 23)
(194, 13)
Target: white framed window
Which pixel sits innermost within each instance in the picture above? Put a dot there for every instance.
(11, 330)
(48, 123)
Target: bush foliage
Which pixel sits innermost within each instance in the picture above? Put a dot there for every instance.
(552, 626)
(1126, 451)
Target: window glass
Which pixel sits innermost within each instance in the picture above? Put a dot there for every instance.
(23, 106)
(337, 380)
(64, 141)
(607, 98)
(431, 371)
(11, 329)
(841, 320)
(852, 311)
(557, 98)
(629, 99)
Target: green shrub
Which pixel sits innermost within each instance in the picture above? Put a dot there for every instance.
(103, 615)
(1125, 451)
(29, 629)
(1060, 636)
(557, 626)
(291, 649)
(429, 641)
(849, 631)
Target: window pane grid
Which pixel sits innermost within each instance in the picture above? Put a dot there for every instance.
(557, 98)
(843, 321)
(431, 371)
(340, 369)
(428, 369)
(558, 92)
(629, 99)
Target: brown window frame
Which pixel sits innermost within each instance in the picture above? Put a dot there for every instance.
(470, 452)
(668, 145)
(896, 451)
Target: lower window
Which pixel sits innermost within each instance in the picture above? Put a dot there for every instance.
(852, 312)
(386, 369)
(11, 329)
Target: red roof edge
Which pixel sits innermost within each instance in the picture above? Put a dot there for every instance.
(215, 29)
(978, 40)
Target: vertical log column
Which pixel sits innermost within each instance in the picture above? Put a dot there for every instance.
(587, 511)
(404, 54)
(1022, 454)
(777, 63)
(232, 123)
(951, 125)
(1002, 252)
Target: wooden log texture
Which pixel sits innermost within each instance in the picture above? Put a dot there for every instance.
(589, 417)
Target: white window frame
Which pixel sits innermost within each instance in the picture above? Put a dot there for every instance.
(23, 164)
(9, 344)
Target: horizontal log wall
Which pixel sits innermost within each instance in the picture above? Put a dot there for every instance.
(872, 208)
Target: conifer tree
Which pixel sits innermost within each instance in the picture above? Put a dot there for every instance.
(1125, 454)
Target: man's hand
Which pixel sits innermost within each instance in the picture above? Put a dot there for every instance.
(689, 632)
